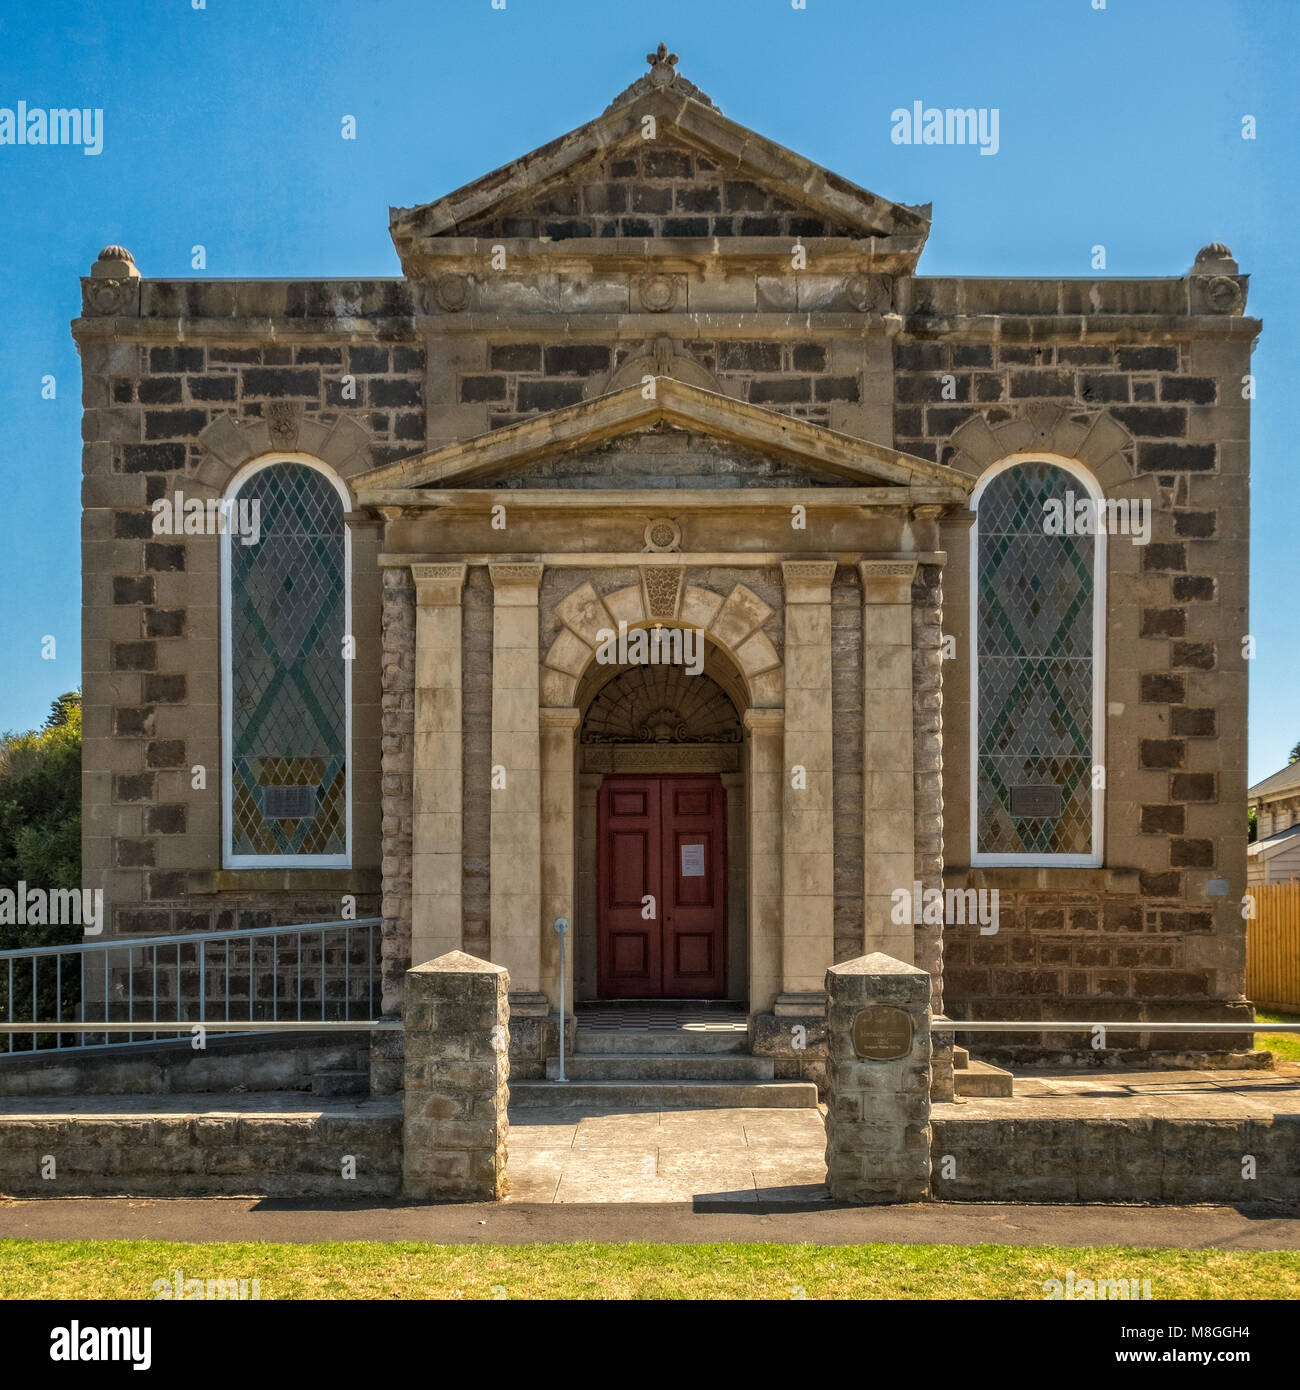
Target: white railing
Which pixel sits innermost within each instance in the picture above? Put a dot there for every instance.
(294, 978)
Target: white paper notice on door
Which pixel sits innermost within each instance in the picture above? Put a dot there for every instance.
(692, 861)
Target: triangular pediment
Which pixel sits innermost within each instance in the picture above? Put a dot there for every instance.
(701, 175)
(818, 453)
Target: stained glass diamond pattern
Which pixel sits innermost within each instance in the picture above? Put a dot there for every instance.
(1034, 645)
(289, 700)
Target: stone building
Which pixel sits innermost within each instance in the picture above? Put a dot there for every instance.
(662, 551)
(1274, 857)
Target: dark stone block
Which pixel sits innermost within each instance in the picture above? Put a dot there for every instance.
(623, 169)
(1163, 820)
(516, 357)
(648, 199)
(1085, 356)
(133, 787)
(1104, 387)
(525, 227)
(1167, 885)
(212, 388)
(944, 419)
(760, 226)
(132, 526)
(242, 356)
(133, 721)
(635, 226)
(277, 356)
(165, 690)
(809, 357)
(482, 388)
(1195, 524)
(165, 752)
(987, 386)
(1190, 722)
(1192, 786)
(165, 820)
(1025, 385)
(409, 427)
(163, 558)
(577, 359)
(1194, 588)
(123, 392)
(706, 198)
(686, 226)
(1176, 458)
(1144, 390)
(836, 388)
(134, 854)
(807, 226)
(925, 357)
(724, 226)
(408, 359)
(384, 393)
(1011, 356)
(749, 357)
(1147, 359)
(152, 458)
(930, 389)
(1195, 390)
(159, 888)
(1163, 622)
(779, 390)
(160, 390)
(1191, 854)
(667, 164)
(1164, 556)
(320, 356)
(742, 196)
(1193, 656)
(170, 424)
(1161, 689)
(133, 588)
(564, 228)
(133, 656)
(1153, 420)
(176, 359)
(604, 197)
(548, 395)
(282, 381)
(907, 421)
(1161, 753)
(968, 354)
(164, 622)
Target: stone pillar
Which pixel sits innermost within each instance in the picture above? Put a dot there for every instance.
(878, 1082)
(516, 843)
(454, 1126)
(808, 828)
(889, 830)
(766, 779)
(733, 787)
(557, 845)
(436, 835)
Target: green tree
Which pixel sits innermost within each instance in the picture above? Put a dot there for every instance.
(1295, 755)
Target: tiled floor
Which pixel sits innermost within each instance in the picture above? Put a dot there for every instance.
(652, 1017)
(589, 1154)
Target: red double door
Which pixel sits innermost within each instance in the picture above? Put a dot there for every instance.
(661, 889)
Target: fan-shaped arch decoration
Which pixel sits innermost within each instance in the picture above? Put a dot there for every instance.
(661, 704)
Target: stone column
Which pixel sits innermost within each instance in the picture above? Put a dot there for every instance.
(878, 1082)
(436, 837)
(516, 844)
(557, 845)
(766, 779)
(889, 830)
(454, 1126)
(808, 829)
(733, 786)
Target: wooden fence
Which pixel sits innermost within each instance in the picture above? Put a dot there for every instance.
(1273, 947)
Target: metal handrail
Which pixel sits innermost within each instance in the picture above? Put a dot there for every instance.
(188, 938)
(171, 1025)
(985, 1025)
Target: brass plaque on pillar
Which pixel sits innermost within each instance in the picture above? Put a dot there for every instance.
(882, 1033)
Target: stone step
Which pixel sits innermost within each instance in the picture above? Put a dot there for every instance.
(982, 1079)
(679, 1043)
(703, 1066)
(667, 1095)
(341, 1083)
(960, 1059)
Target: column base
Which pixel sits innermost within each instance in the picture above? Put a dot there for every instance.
(529, 1003)
(800, 1005)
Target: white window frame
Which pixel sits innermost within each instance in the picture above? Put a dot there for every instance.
(229, 859)
(1093, 488)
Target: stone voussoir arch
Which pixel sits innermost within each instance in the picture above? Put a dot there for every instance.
(1092, 437)
(733, 621)
(229, 444)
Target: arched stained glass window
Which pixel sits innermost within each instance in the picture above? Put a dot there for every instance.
(1038, 568)
(286, 684)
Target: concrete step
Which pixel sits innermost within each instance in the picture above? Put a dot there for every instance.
(703, 1066)
(960, 1059)
(679, 1043)
(341, 1083)
(668, 1095)
(982, 1079)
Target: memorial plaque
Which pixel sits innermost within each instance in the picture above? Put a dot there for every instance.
(1036, 803)
(882, 1033)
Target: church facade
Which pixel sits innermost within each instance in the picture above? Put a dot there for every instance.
(661, 551)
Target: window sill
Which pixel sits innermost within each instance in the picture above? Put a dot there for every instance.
(1043, 877)
(355, 880)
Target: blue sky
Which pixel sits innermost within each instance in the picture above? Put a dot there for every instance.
(222, 128)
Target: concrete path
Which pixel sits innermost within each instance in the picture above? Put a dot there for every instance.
(821, 1223)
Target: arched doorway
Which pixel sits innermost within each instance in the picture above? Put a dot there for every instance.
(661, 900)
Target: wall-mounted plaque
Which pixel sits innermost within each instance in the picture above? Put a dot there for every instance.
(1036, 803)
(882, 1033)
(692, 861)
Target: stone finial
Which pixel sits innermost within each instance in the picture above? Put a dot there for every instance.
(1214, 259)
(663, 76)
(114, 263)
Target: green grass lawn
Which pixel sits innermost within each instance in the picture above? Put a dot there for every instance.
(127, 1269)
(1285, 1045)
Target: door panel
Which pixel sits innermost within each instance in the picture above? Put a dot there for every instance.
(664, 839)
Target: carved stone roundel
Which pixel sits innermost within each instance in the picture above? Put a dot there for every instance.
(663, 534)
(1223, 294)
(451, 292)
(657, 293)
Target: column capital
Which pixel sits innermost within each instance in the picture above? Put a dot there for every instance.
(562, 717)
(515, 582)
(887, 581)
(438, 584)
(808, 581)
(765, 721)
